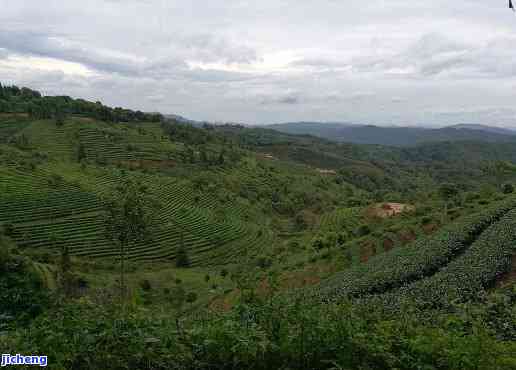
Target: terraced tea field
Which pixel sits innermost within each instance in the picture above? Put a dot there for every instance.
(59, 202)
(456, 262)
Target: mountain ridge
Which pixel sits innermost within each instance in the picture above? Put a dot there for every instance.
(396, 135)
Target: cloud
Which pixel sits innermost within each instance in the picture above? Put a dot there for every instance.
(269, 61)
(207, 48)
(58, 47)
(287, 99)
(435, 55)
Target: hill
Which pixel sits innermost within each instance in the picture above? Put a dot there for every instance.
(262, 249)
(396, 136)
(498, 130)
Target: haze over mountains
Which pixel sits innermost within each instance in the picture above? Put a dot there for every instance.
(396, 136)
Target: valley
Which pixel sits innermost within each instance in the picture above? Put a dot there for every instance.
(171, 243)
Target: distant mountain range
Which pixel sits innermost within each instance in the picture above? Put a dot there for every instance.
(396, 136)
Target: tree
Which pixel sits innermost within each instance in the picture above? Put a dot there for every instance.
(191, 297)
(129, 215)
(182, 259)
(7, 229)
(447, 192)
(81, 152)
(498, 170)
(508, 189)
(65, 272)
(203, 156)
(59, 118)
(221, 160)
(5, 252)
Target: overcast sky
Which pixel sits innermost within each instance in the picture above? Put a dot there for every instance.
(402, 62)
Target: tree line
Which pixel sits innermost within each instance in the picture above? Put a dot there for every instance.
(14, 99)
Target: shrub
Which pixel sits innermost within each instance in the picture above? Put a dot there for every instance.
(145, 285)
(507, 189)
(363, 230)
(264, 262)
(191, 297)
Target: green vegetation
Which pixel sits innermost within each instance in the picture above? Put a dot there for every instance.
(246, 248)
(476, 270)
(423, 258)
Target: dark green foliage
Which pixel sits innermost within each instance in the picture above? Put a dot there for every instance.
(7, 229)
(263, 336)
(363, 230)
(145, 285)
(129, 214)
(81, 152)
(21, 142)
(182, 259)
(22, 294)
(191, 297)
(465, 277)
(65, 277)
(264, 262)
(448, 191)
(405, 265)
(16, 100)
(508, 188)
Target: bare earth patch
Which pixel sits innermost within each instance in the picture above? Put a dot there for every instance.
(367, 250)
(269, 156)
(384, 210)
(510, 277)
(326, 172)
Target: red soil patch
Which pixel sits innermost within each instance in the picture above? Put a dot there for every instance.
(287, 281)
(429, 228)
(388, 244)
(510, 277)
(224, 304)
(299, 279)
(407, 236)
(367, 250)
(384, 210)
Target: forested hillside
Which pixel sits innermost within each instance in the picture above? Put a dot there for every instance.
(396, 136)
(134, 241)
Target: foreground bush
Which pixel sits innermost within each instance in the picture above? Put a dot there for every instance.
(272, 335)
(22, 295)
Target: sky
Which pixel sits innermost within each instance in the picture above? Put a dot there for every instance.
(384, 62)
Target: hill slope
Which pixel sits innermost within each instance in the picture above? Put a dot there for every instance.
(396, 136)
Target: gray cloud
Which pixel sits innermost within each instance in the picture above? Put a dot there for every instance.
(287, 99)
(394, 62)
(57, 47)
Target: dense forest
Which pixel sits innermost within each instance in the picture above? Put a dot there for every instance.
(134, 241)
(24, 100)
